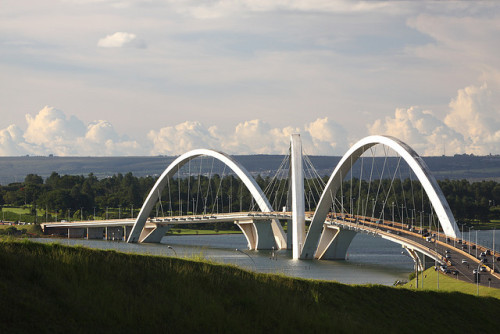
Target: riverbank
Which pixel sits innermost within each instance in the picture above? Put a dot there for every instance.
(55, 288)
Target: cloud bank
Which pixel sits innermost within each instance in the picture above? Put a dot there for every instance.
(471, 125)
(51, 132)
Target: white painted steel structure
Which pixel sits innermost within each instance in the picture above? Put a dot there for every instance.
(436, 197)
(140, 234)
(298, 199)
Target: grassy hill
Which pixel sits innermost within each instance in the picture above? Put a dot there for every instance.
(55, 288)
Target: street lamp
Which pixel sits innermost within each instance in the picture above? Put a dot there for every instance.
(469, 240)
(477, 274)
(402, 215)
(393, 213)
(373, 208)
(170, 247)
(239, 250)
(435, 262)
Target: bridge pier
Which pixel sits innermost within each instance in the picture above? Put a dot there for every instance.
(259, 233)
(333, 243)
(154, 233)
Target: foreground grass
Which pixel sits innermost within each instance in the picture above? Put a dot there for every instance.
(55, 288)
(449, 284)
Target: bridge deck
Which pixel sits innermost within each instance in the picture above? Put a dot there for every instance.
(459, 262)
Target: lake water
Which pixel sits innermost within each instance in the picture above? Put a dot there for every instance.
(369, 260)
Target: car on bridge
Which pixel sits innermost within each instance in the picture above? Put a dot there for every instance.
(444, 269)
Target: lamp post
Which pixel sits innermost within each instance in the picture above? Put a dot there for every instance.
(494, 250)
(239, 250)
(170, 247)
(477, 275)
(402, 215)
(393, 213)
(435, 262)
(469, 240)
(413, 217)
(373, 207)
(476, 243)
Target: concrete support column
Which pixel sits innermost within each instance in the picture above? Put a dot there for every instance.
(334, 243)
(298, 200)
(154, 234)
(259, 233)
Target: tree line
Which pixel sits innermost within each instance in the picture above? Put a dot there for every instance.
(78, 196)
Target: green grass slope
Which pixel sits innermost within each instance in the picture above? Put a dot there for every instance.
(450, 284)
(54, 288)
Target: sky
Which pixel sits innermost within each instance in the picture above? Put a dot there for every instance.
(161, 77)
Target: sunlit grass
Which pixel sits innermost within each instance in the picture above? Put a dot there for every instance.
(447, 283)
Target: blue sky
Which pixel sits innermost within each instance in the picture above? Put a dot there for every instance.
(148, 77)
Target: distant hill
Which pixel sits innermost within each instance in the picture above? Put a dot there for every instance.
(14, 169)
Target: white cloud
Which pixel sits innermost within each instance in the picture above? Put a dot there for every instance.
(328, 137)
(476, 115)
(50, 126)
(12, 141)
(425, 133)
(250, 137)
(471, 125)
(322, 136)
(120, 40)
(51, 132)
(175, 140)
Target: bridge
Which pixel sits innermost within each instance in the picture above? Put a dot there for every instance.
(338, 209)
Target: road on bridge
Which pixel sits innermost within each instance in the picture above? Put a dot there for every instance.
(460, 264)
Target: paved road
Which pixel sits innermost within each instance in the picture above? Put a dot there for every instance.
(460, 263)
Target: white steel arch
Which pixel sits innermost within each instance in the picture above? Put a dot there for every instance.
(415, 162)
(240, 171)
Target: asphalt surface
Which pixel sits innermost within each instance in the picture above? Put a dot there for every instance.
(460, 264)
